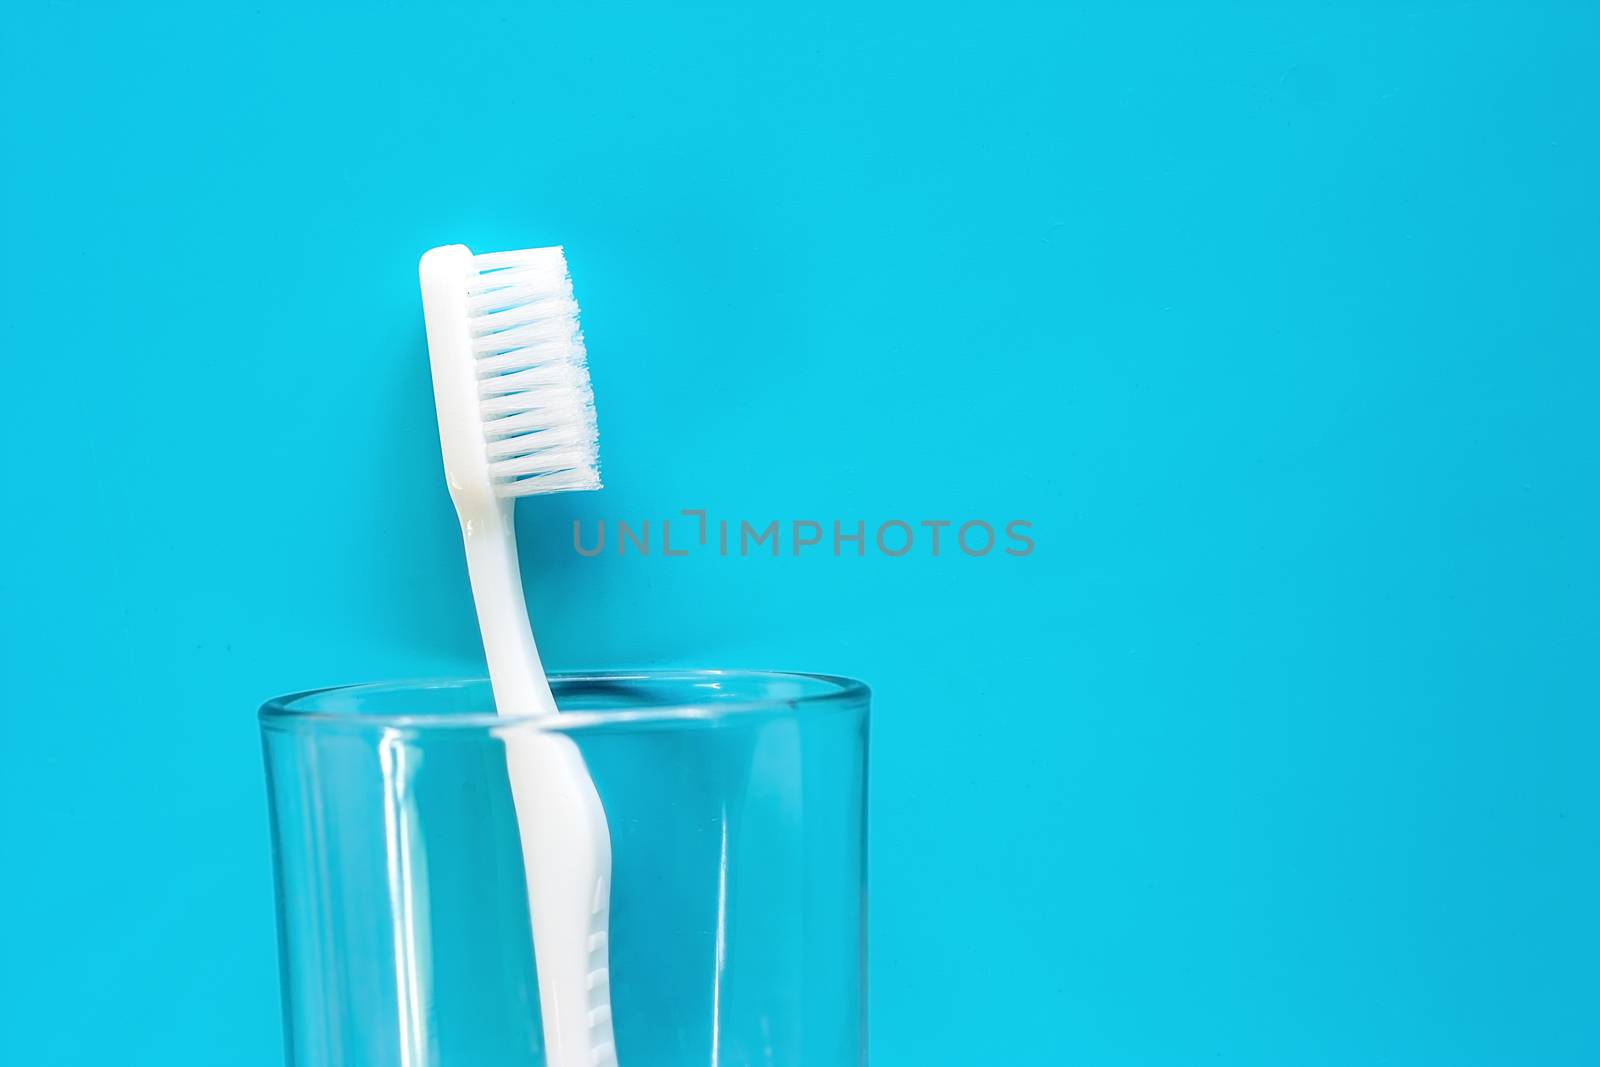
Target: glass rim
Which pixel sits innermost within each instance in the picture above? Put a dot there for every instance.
(829, 691)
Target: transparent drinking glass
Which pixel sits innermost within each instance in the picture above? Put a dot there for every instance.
(736, 803)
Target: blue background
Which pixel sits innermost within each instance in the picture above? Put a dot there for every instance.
(1277, 321)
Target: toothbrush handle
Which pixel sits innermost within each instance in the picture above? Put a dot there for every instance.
(566, 843)
(566, 857)
(515, 672)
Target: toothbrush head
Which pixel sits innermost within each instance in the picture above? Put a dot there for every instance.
(510, 375)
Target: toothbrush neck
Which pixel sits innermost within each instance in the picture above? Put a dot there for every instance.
(515, 671)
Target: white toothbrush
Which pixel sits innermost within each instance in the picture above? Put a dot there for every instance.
(516, 417)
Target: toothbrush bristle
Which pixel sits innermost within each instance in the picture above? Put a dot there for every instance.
(533, 376)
